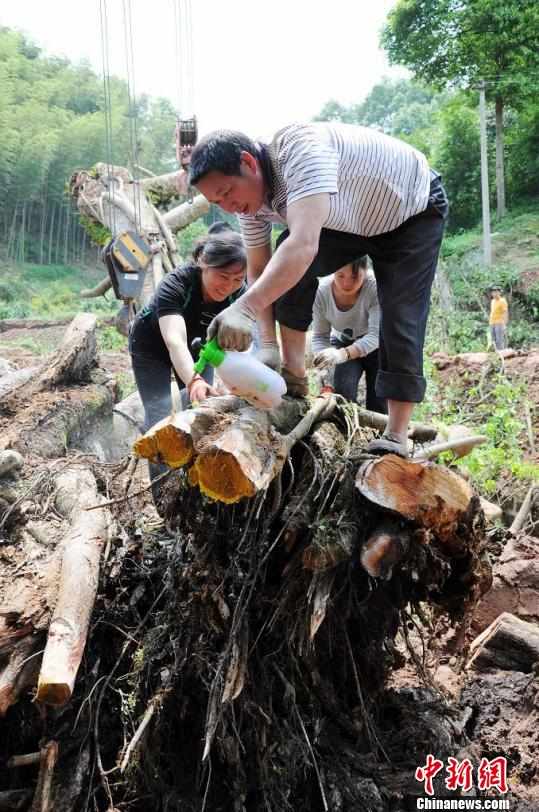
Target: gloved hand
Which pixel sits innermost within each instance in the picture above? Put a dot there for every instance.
(233, 327)
(330, 357)
(269, 354)
(199, 389)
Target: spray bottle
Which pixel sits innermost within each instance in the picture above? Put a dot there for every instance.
(243, 375)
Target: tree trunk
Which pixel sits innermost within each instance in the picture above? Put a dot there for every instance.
(500, 171)
(48, 411)
(59, 226)
(186, 213)
(54, 208)
(21, 250)
(509, 643)
(66, 233)
(82, 547)
(42, 229)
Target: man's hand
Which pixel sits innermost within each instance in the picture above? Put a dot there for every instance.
(234, 327)
(199, 389)
(269, 354)
(328, 358)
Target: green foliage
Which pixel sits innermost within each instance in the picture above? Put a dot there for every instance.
(504, 425)
(395, 106)
(458, 157)
(98, 233)
(496, 406)
(187, 237)
(108, 338)
(49, 291)
(463, 41)
(52, 122)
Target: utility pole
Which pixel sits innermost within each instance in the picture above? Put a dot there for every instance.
(487, 250)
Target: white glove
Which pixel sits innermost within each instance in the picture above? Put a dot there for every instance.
(269, 354)
(233, 327)
(328, 358)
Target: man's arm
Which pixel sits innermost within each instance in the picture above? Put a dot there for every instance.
(285, 268)
(305, 217)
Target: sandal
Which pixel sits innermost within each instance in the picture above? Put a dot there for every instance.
(388, 444)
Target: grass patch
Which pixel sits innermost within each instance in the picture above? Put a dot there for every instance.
(49, 291)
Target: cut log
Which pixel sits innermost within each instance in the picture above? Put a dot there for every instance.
(384, 549)
(51, 421)
(79, 577)
(508, 643)
(31, 324)
(14, 799)
(71, 362)
(426, 493)
(20, 672)
(234, 449)
(15, 379)
(525, 508)
(42, 801)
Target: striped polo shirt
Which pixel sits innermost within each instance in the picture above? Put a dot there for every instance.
(375, 182)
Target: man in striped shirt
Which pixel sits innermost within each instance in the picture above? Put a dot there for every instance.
(341, 191)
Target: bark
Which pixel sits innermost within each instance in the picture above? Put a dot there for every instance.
(14, 799)
(426, 493)
(232, 448)
(508, 643)
(21, 670)
(50, 412)
(71, 362)
(49, 422)
(76, 491)
(99, 290)
(164, 186)
(13, 380)
(30, 324)
(42, 798)
(186, 213)
(51, 232)
(500, 170)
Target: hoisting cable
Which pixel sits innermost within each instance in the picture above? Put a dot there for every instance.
(186, 124)
(104, 30)
(127, 254)
(132, 109)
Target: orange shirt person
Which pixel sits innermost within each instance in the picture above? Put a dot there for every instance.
(499, 316)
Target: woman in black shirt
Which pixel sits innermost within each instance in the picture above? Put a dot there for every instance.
(182, 307)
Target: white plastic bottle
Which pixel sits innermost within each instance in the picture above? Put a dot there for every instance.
(244, 375)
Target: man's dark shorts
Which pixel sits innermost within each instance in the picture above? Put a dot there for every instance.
(404, 263)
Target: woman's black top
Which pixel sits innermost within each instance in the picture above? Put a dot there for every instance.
(180, 292)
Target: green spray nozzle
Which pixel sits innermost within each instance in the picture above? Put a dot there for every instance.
(211, 353)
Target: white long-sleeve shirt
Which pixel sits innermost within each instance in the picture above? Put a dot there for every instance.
(359, 325)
